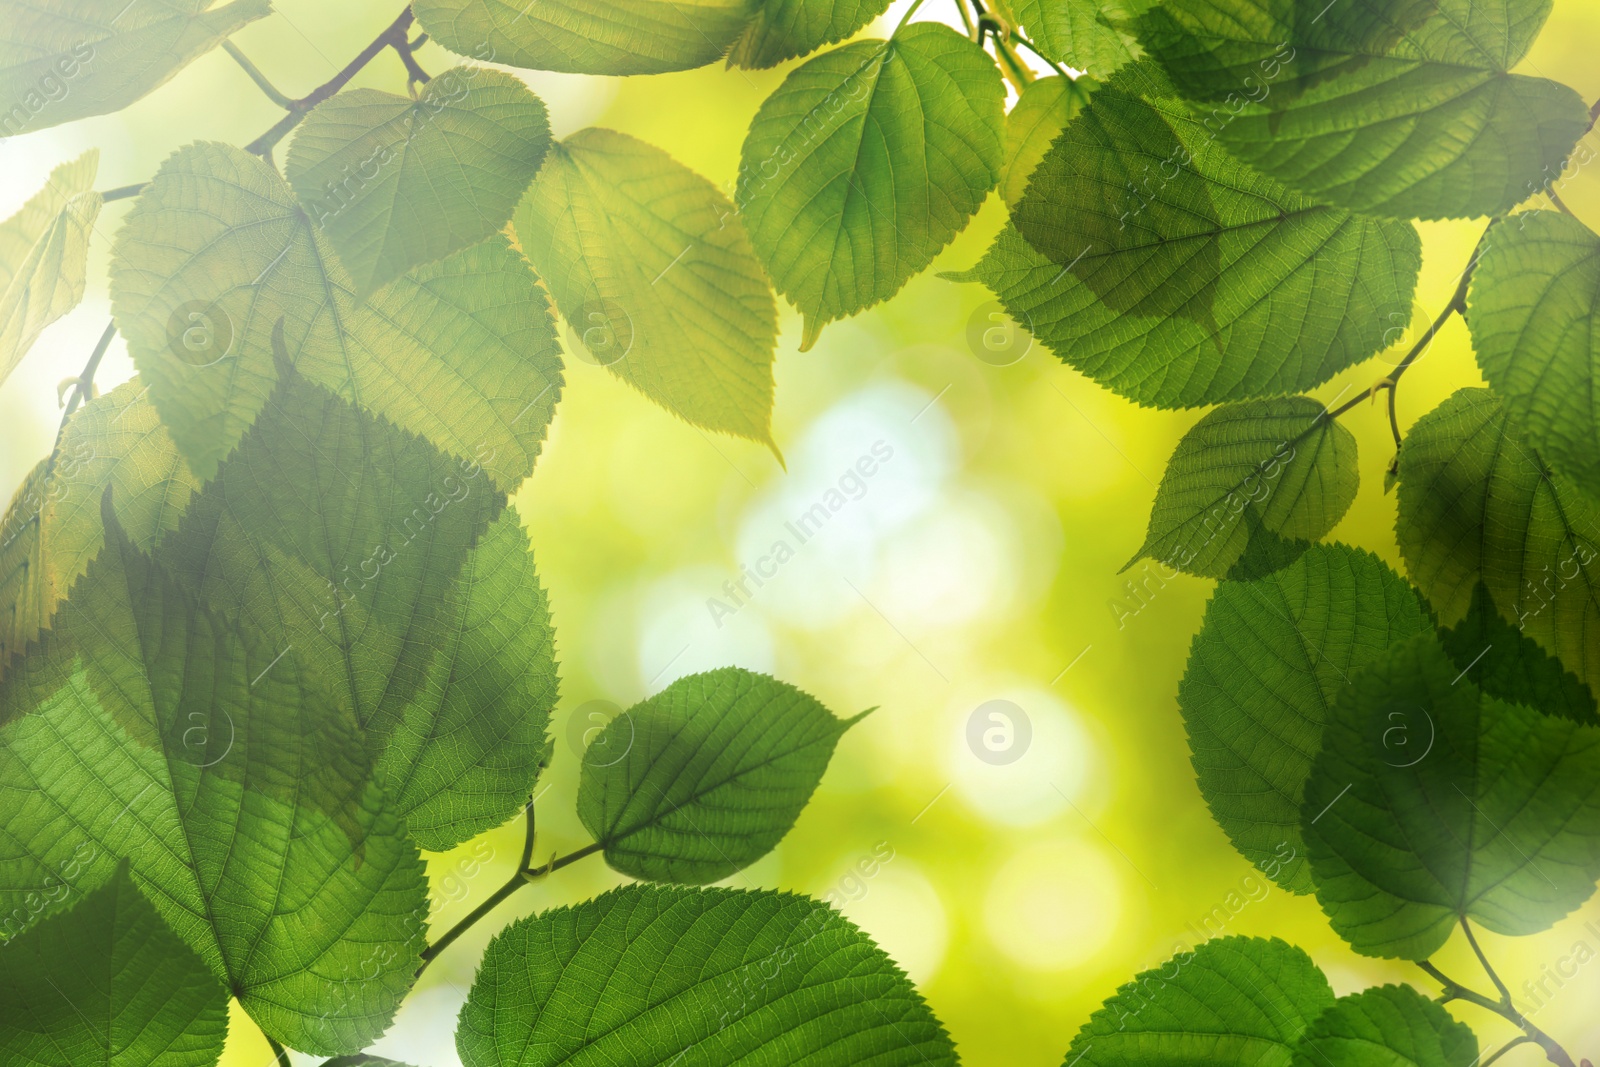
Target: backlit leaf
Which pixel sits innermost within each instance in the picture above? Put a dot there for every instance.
(705, 777)
(647, 975)
(1231, 1002)
(1390, 1026)
(44, 250)
(396, 182)
(1431, 802)
(1271, 656)
(865, 163)
(650, 265)
(784, 29)
(106, 984)
(588, 36)
(1280, 465)
(70, 59)
(1077, 33)
(1038, 117)
(217, 250)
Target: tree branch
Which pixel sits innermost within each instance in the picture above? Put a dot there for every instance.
(81, 391)
(525, 875)
(394, 36)
(1454, 990)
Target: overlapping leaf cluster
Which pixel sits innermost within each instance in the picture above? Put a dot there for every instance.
(269, 626)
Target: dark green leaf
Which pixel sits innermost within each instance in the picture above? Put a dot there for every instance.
(1533, 310)
(865, 163)
(1263, 673)
(1390, 1026)
(1154, 253)
(106, 984)
(653, 271)
(1432, 802)
(396, 182)
(1231, 1002)
(648, 975)
(1478, 504)
(1280, 465)
(1505, 662)
(1394, 109)
(705, 777)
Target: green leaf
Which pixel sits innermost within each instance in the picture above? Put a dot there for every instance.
(1432, 802)
(54, 528)
(714, 770)
(146, 728)
(649, 264)
(1040, 114)
(70, 59)
(865, 163)
(1369, 110)
(647, 975)
(1477, 504)
(1504, 662)
(784, 29)
(1281, 465)
(1270, 658)
(403, 582)
(1533, 306)
(363, 1061)
(1231, 1002)
(396, 182)
(44, 251)
(1390, 1026)
(217, 250)
(588, 36)
(1077, 33)
(106, 984)
(1145, 286)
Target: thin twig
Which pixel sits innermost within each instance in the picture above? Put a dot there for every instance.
(1483, 961)
(414, 72)
(1454, 990)
(278, 1053)
(123, 192)
(524, 875)
(394, 36)
(256, 76)
(80, 392)
(1030, 46)
(1513, 1043)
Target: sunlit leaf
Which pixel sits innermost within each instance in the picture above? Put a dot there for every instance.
(1231, 1002)
(706, 776)
(1404, 110)
(865, 163)
(69, 59)
(148, 729)
(784, 29)
(217, 250)
(1432, 802)
(1533, 309)
(650, 265)
(1279, 465)
(1164, 269)
(396, 182)
(1478, 504)
(44, 251)
(1390, 1026)
(1038, 117)
(1271, 656)
(588, 36)
(1077, 33)
(647, 975)
(106, 984)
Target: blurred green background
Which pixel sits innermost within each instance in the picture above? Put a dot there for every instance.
(980, 563)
